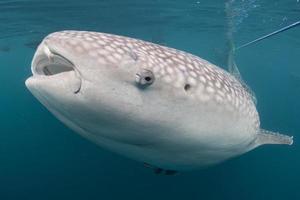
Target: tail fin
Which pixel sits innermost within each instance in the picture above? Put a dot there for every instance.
(268, 137)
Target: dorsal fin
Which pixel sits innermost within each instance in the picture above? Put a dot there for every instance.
(233, 70)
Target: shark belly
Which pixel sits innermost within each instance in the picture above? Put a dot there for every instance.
(194, 143)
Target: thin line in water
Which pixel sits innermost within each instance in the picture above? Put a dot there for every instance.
(269, 35)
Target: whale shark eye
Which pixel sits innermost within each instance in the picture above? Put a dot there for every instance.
(144, 78)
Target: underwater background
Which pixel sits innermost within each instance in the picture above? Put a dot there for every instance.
(41, 159)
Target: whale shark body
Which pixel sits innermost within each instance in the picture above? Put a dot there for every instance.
(151, 103)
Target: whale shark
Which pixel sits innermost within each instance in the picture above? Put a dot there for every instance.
(164, 107)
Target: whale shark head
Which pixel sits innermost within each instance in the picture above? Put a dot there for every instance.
(152, 103)
(93, 82)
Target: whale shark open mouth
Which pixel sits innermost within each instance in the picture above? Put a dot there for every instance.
(50, 63)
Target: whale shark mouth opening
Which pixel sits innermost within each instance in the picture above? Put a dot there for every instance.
(49, 63)
(53, 69)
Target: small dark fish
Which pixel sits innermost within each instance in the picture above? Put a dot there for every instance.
(170, 172)
(158, 170)
(5, 49)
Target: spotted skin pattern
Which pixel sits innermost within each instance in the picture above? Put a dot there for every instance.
(206, 82)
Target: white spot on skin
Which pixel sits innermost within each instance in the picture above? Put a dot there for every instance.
(162, 71)
(101, 42)
(218, 84)
(219, 99)
(168, 53)
(210, 83)
(93, 53)
(169, 61)
(204, 97)
(151, 53)
(226, 88)
(109, 48)
(103, 37)
(181, 57)
(79, 49)
(117, 43)
(193, 74)
(163, 55)
(195, 63)
(221, 93)
(111, 58)
(237, 103)
(86, 45)
(229, 97)
(73, 42)
(117, 56)
(95, 45)
(151, 62)
(121, 51)
(200, 89)
(192, 81)
(156, 69)
(170, 70)
(210, 89)
(202, 79)
(130, 45)
(190, 66)
(188, 59)
(113, 45)
(102, 51)
(160, 60)
(89, 39)
(101, 61)
(168, 78)
(182, 67)
(208, 77)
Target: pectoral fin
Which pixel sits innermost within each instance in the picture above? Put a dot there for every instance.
(269, 137)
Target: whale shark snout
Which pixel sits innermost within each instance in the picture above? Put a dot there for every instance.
(54, 77)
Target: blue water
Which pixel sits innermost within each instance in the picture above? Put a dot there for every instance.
(41, 159)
